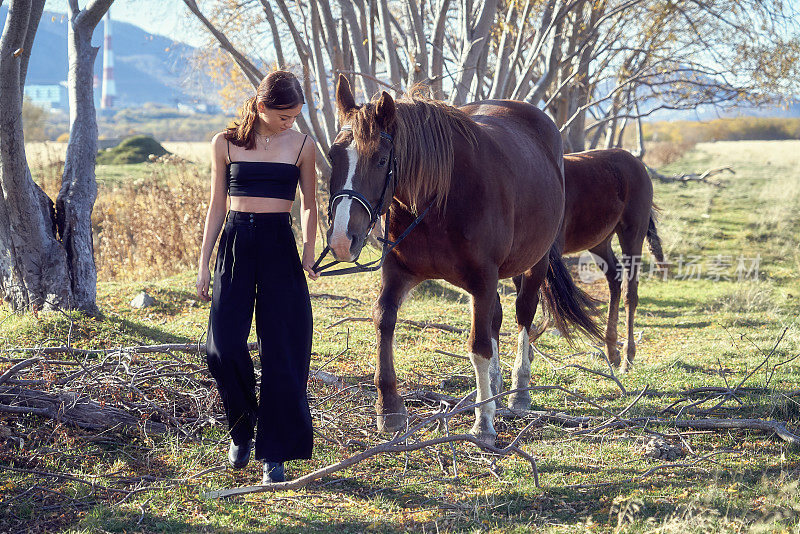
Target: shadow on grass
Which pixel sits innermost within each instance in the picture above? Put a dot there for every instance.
(435, 289)
(570, 505)
(149, 333)
(171, 301)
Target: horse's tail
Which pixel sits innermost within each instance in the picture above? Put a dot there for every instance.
(569, 306)
(653, 241)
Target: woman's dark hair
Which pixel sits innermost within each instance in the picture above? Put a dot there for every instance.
(278, 90)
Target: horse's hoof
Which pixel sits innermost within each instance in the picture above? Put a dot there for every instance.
(626, 366)
(392, 422)
(614, 357)
(484, 436)
(519, 401)
(629, 351)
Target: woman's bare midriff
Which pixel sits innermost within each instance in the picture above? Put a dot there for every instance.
(260, 204)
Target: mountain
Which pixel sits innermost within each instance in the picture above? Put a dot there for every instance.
(147, 67)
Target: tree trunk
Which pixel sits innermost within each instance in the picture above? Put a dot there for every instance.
(389, 53)
(78, 183)
(640, 150)
(504, 49)
(33, 266)
(437, 50)
(357, 48)
(475, 39)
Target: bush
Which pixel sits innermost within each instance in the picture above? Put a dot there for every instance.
(662, 153)
(136, 149)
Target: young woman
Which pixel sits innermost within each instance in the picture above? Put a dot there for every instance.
(258, 164)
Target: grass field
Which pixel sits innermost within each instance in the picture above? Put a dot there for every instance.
(706, 325)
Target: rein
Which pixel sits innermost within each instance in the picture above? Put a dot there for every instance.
(374, 214)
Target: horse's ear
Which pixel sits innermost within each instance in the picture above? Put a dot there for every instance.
(344, 96)
(385, 110)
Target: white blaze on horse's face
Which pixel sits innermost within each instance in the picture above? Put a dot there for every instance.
(340, 238)
(359, 186)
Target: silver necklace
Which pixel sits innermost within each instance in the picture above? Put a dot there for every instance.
(266, 138)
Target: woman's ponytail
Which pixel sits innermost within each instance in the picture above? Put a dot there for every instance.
(242, 133)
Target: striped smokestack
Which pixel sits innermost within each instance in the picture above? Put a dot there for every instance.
(109, 89)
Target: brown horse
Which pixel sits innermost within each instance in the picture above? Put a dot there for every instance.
(608, 192)
(491, 175)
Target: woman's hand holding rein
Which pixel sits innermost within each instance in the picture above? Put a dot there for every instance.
(308, 260)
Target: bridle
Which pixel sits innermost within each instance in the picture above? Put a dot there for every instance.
(374, 215)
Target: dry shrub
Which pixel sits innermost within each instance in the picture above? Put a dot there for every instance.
(662, 153)
(151, 226)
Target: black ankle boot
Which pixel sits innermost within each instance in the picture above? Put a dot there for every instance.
(273, 472)
(239, 455)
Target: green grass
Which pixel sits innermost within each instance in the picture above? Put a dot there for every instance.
(694, 333)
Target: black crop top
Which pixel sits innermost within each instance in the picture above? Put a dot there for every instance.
(270, 179)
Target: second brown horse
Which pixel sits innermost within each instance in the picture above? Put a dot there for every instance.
(607, 193)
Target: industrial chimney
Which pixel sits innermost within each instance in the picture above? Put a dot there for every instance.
(109, 89)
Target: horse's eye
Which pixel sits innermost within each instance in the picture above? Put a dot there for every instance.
(382, 162)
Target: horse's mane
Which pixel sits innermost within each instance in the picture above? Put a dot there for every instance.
(424, 129)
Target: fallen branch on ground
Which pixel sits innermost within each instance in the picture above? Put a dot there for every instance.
(138, 349)
(691, 177)
(397, 444)
(334, 297)
(72, 409)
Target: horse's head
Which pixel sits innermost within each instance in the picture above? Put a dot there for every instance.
(362, 170)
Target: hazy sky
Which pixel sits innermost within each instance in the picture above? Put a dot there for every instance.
(165, 17)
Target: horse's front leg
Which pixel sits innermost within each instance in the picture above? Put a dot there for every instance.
(395, 284)
(482, 352)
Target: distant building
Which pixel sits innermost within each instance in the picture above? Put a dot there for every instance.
(50, 96)
(195, 107)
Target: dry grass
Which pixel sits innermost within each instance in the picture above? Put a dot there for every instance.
(151, 226)
(147, 220)
(45, 153)
(782, 153)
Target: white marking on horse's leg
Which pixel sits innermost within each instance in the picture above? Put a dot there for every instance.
(339, 241)
(495, 376)
(521, 374)
(483, 428)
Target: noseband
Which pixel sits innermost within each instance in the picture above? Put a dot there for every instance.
(374, 214)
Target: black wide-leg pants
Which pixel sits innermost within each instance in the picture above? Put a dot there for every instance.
(258, 265)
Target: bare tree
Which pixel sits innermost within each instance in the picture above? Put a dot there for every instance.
(593, 65)
(46, 257)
